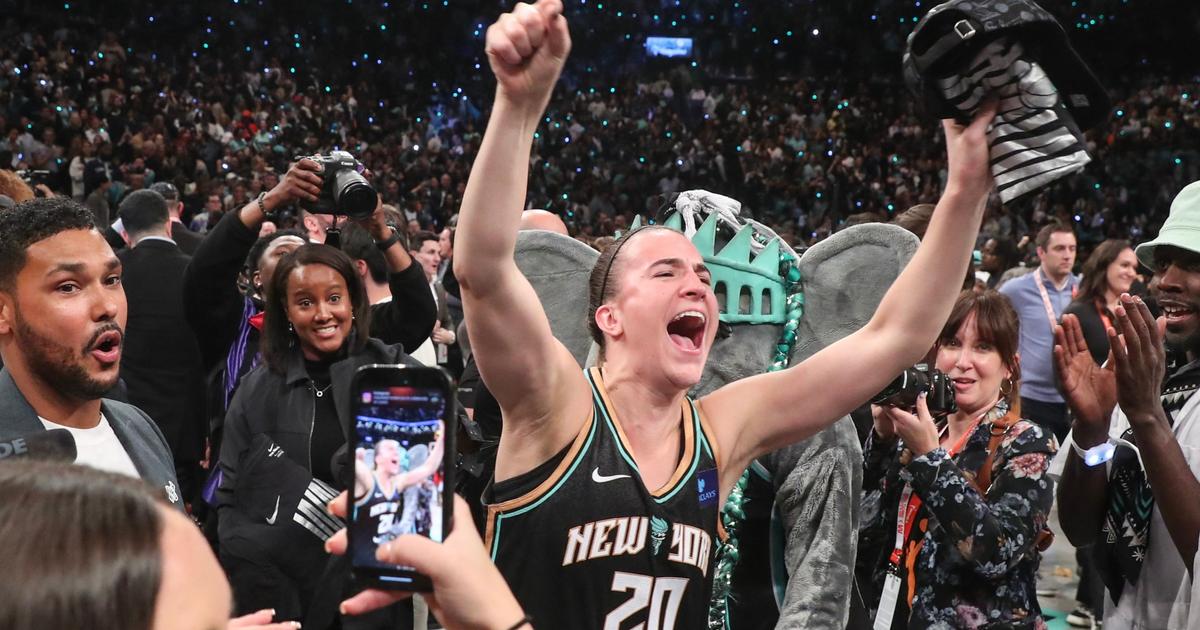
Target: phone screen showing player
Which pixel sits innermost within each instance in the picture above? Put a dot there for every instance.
(399, 487)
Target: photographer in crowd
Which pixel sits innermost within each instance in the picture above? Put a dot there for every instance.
(954, 510)
(227, 318)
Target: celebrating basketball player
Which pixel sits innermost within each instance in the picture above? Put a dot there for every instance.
(608, 482)
(379, 493)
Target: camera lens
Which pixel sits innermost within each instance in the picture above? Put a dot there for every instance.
(352, 195)
(903, 391)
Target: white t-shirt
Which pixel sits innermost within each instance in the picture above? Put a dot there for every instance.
(1187, 612)
(98, 447)
(1160, 599)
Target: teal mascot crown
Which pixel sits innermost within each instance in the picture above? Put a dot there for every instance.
(756, 277)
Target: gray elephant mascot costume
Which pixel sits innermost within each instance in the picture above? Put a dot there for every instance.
(792, 519)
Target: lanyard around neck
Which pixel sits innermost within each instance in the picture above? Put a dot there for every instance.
(1041, 285)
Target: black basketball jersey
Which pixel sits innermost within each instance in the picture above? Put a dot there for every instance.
(591, 547)
(374, 519)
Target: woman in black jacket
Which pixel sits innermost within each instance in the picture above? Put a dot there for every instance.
(1110, 271)
(287, 427)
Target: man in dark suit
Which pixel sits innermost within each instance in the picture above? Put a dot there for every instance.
(184, 237)
(161, 366)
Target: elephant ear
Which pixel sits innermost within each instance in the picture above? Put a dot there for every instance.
(558, 267)
(844, 278)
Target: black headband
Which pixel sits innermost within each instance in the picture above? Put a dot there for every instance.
(620, 243)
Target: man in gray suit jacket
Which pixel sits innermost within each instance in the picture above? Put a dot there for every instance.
(62, 320)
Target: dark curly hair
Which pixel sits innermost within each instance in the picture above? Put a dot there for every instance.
(30, 222)
(254, 256)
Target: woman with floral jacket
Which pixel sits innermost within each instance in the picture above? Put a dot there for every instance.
(966, 558)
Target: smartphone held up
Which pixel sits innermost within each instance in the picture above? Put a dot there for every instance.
(403, 432)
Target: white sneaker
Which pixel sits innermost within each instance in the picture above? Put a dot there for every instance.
(1081, 618)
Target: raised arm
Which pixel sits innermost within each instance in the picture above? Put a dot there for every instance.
(757, 415)
(427, 467)
(210, 293)
(411, 313)
(1141, 366)
(364, 480)
(1091, 392)
(533, 377)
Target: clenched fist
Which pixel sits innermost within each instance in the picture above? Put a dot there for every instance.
(526, 49)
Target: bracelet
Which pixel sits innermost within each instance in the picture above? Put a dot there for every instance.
(1097, 454)
(261, 205)
(384, 245)
(527, 620)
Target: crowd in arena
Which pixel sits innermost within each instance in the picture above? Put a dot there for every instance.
(183, 257)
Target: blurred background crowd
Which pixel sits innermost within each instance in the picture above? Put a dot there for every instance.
(795, 108)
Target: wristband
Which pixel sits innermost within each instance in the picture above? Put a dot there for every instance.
(1104, 451)
(525, 621)
(262, 206)
(1097, 454)
(388, 242)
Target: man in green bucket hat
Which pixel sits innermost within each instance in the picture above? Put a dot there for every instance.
(1135, 430)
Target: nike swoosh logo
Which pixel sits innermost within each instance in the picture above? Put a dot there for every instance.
(271, 520)
(598, 478)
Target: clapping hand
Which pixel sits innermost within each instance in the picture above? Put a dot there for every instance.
(1090, 390)
(1141, 363)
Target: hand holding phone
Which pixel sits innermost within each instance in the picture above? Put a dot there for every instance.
(468, 590)
(403, 428)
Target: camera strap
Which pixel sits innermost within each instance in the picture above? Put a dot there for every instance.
(906, 515)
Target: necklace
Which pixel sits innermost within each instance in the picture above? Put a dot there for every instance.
(321, 392)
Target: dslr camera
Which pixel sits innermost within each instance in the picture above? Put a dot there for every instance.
(32, 178)
(345, 190)
(903, 391)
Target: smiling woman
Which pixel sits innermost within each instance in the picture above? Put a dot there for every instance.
(316, 300)
(968, 493)
(315, 335)
(1110, 271)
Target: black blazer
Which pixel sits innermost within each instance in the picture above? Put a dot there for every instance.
(185, 238)
(143, 442)
(161, 360)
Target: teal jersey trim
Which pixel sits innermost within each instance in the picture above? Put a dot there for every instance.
(567, 475)
(697, 435)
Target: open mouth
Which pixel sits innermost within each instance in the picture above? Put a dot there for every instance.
(1176, 312)
(107, 347)
(326, 332)
(961, 384)
(686, 330)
